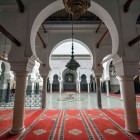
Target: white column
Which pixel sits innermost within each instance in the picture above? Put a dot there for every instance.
(27, 81)
(98, 90)
(60, 87)
(107, 87)
(121, 94)
(88, 87)
(19, 105)
(33, 84)
(79, 87)
(128, 91)
(44, 92)
(94, 86)
(50, 87)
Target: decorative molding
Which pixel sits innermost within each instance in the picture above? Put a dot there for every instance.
(126, 67)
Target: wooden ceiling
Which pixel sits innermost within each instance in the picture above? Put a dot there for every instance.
(63, 17)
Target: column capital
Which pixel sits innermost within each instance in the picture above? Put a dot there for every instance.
(125, 78)
(44, 71)
(126, 67)
(79, 81)
(32, 80)
(98, 75)
(98, 70)
(21, 73)
(21, 67)
(44, 76)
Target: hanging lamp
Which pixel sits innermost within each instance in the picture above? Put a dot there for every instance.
(76, 7)
(72, 64)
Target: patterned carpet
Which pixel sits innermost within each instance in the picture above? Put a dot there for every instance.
(106, 124)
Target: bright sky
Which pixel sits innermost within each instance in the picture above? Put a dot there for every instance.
(65, 48)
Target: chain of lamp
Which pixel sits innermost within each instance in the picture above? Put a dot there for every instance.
(72, 56)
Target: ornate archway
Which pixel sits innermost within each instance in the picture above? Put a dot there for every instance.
(69, 80)
(94, 8)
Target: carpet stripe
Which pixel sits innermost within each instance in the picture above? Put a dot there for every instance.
(119, 127)
(5, 111)
(52, 134)
(28, 122)
(88, 130)
(5, 130)
(31, 126)
(74, 126)
(106, 127)
(10, 121)
(96, 130)
(55, 126)
(116, 114)
(42, 129)
(121, 121)
(120, 114)
(61, 130)
(90, 125)
(59, 124)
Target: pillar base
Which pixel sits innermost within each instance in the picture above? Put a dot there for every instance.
(43, 107)
(133, 131)
(17, 131)
(99, 108)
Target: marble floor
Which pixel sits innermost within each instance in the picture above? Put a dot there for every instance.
(67, 101)
(80, 101)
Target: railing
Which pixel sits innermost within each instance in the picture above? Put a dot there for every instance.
(33, 99)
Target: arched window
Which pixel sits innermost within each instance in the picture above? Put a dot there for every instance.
(83, 79)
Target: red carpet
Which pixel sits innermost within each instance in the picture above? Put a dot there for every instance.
(28, 121)
(117, 117)
(71, 125)
(6, 119)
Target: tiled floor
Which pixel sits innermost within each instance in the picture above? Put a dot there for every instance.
(78, 101)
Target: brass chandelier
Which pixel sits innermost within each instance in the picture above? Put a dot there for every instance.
(76, 7)
(72, 64)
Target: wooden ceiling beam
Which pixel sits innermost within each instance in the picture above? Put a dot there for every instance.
(134, 41)
(43, 43)
(100, 41)
(8, 35)
(98, 27)
(45, 31)
(127, 5)
(20, 5)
